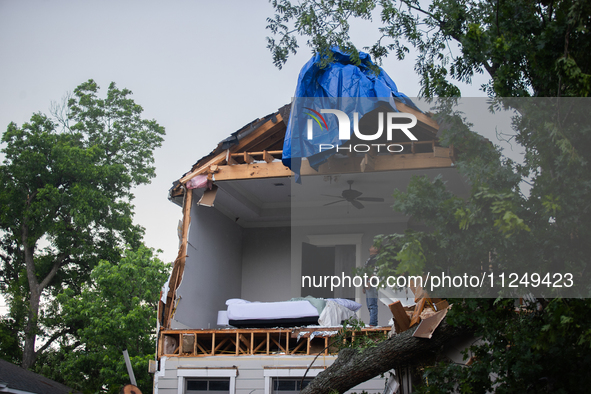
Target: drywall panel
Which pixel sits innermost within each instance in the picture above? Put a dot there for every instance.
(266, 272)
(213, 269)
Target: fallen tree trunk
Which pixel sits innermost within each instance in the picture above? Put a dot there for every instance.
(354, 366)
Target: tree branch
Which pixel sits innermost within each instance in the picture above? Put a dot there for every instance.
(56, 266)
(355, 366)
(52, 339)
(419, 9)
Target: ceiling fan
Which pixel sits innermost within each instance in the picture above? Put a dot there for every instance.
(353, 196)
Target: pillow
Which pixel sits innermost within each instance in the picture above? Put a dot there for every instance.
(232, 301)
(352, 305)
(318, 303)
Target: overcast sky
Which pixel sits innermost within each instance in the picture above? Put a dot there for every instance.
(200, 68)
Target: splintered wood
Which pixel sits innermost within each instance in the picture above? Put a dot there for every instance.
(426, 309)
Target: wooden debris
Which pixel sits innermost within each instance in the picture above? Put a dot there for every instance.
(401, 320)
(441, 305)
(429, 325)
(416, 316)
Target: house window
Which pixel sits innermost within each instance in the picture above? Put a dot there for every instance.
(288, 380)
(289, 385)
(207, 385)
(207, 380)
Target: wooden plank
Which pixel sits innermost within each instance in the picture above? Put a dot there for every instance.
(259, 135)
(400, 316)
(212, 343)
(278, 344)
(218, 159)
(231, 161)
(441, 305)
(243, 339)
(429, 325)
(260, 345)
(179, 263)
(421, 117)
(367, 163)
(185, 234)
(344, 166)
(160, 345)
(268, 342)
(416, 315)
(247, 158)
(295, 349)
(261, 153)
(252, 171)
(186, 222)
(222, 343)
(439, 151)
(268, 157)
(273, 140)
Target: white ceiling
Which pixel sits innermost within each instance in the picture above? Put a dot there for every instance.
(281, 202)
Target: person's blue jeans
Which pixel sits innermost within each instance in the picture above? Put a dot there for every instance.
(372, 306)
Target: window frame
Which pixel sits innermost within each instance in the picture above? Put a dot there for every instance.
(270, 373)
(183, 374)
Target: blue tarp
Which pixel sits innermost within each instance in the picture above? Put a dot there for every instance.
(330, 87)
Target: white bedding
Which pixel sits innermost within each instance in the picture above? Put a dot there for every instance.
(271, 310)
(333, 314)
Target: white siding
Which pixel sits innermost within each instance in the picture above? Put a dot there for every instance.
(251, 371)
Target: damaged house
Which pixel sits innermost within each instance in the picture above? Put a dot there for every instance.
(257, 237)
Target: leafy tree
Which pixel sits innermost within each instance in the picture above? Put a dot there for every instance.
(537, 49)
(116, 310)
(65, 202)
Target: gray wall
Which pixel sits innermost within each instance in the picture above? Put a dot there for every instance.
(257, 264)
(266, 272)
(213, 269)
(369, 231)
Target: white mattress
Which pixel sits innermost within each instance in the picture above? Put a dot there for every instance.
(271, 310)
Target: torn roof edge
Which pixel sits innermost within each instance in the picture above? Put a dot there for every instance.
(231, 140)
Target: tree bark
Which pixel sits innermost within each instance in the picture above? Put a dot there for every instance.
(354, 366)
(34, 300)
(35, 288)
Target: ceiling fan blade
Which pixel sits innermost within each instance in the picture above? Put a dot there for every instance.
(357, 204)
(334, 202)
(329, 195)
(373, 199)
(351, 194)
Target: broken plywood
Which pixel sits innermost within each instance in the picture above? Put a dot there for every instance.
(429, 325)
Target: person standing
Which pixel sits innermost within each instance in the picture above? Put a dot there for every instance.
(371, 292)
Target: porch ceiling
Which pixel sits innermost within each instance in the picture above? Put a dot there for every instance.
(274, 202)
